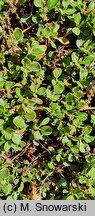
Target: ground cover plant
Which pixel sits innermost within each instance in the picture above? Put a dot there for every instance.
(47, 99)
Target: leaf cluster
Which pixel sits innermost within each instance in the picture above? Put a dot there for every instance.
(47, 99)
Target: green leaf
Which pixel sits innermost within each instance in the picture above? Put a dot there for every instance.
(45, 121)
(18, 34)
(21, 187)
(69, 107)
(27, 63)
(30, 115)
(57, 72)
(53, 44)
(77, 18)
(69, 97)
(8, 134)
(83, 180)
(7, 189)
(1, 123)
(1, 102)
(76, 30)
(38, 3)
(1, 160)
(75, 149)
(82, 116)
(37, 135)
(74, 57)
(25, 18)
(16, 138)
(79, 43)
(4, 173)
(47, 32)
(22, 1)
(71, 197)
(88, 138)
(50, 165)
(31, 65)
(7, 146)
(87, 130)
(51, 4)
(35, 66)
(19, 95)
(65, 191)
(91, 173)
(69, 11)
(82, 147)
(62, 182)
(88, 59)
(58, 88)
(41, 91)
(46, 130)
(93, 119)
(91, 6)
(19, 122)
(58, 157)
(83, 74)
(65, 140)
(51, 149)
(92, 191)
(37, 100)
(38, 51)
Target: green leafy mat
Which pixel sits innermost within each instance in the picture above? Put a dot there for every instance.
(47, 99)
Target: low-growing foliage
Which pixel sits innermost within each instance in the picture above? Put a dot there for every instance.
(47, 99)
